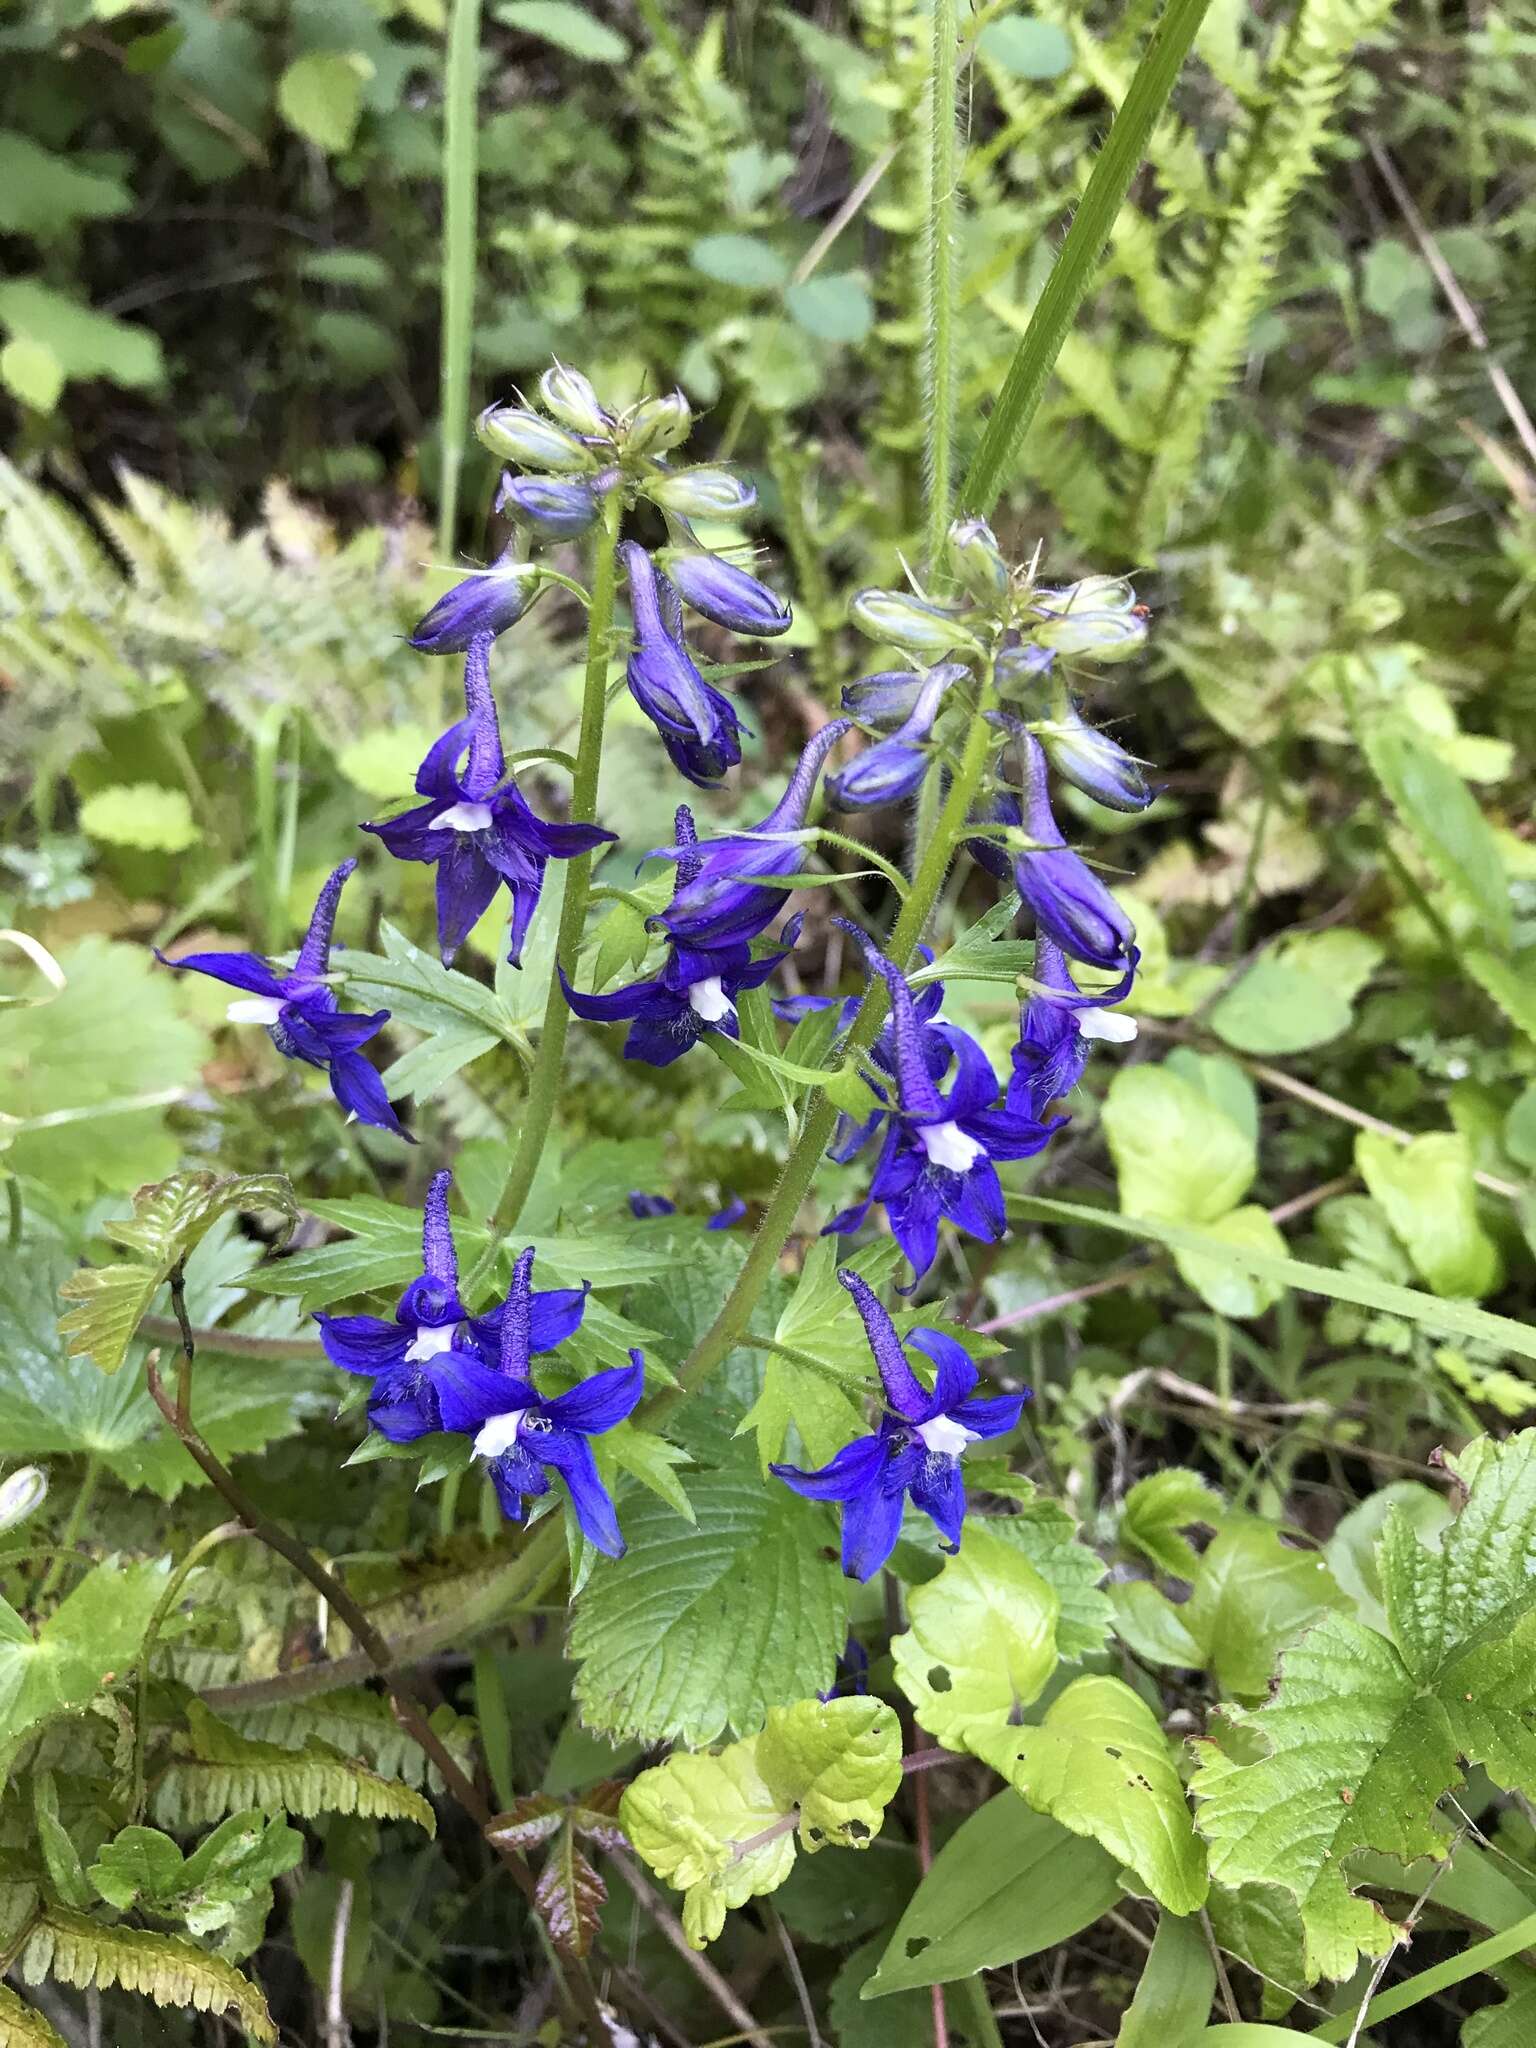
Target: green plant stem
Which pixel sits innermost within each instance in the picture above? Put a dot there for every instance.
(544, 1082)
(778, 1222)
(67, 1541)
(1075, 267)
(939, 283)
(460, 137)
(226, 1532)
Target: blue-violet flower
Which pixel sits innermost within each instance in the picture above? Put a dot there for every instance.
(698, 723)
(487, 601)
(893, 768)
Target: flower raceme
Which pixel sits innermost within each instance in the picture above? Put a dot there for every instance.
(695, 991)
(476, 830)
(915, 1448)
(411, 1356)
(300, 1013)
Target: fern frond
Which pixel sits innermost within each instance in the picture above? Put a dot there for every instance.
(21, 2026)
(358, 1724)
(227, 1773)
(80, 1952)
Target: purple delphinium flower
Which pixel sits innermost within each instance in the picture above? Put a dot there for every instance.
(1094, 763)
(893, 768)
(300, 1013)
(555, 507)
(727, 595)
(698, 723)
(524, 1435)
(725, 896)
(406, 1355)
(643, 1206)
(724, 1219)
(1056, 1023)
(1069, 902)
(487, 601)
(695, 991)
(477, 830)
(917, 1446)
(940, 1147)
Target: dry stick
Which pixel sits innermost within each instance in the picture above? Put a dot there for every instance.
(924, 1864)
(668, 1924)
(1460, 304)
(407, 1705)
(337, 2033)
(796, 1974)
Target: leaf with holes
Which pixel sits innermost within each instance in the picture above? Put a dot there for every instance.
(838, 1762)
(688, 1819)
(1156, 1511)
(982, 1640)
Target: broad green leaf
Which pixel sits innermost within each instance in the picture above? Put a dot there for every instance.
(688, 1817)
(142, 815)
(1298, 996)
(1178, 1156)
(320, 96)
(83, 342)
(1260, 1925)
(1446, 824)
(381, 764)
(168, 1222)
(1048, 1536)
(822, 1392)
(89, 1071)
(1008, 1883)
(704, 1627)
(1231, 1289)
(1158, 1507)
(90, 1638)
(981, 1641)
(1508, 983)
(1174, 1993)
(31, 371)
(832, 307)
(1430, 1198)
(743, 260)
(1100, 1764)
(838, 1762)
(44, 195)
(576, 30)
(1027, 48)
(653, 1461)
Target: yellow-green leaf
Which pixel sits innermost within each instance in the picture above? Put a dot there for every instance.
(982, 1640)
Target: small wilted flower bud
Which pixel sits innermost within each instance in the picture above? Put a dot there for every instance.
(558, 508)
(1094, 763)
(977, 560)
(907, 622)
(726, 594)
(657, 424)
(889, 699)
(701, 493)
(488, 601)
(532, 442)
(895, 767)
(568, 397)
(1099, 636)
(21, 1494)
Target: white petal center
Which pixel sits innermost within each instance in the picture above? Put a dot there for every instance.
(464, 817)
(1111, 1025)
(255, 1010)
(431, 1342)
(499, 1434)
(950, 1147)
(946, 1436)
(708, 999)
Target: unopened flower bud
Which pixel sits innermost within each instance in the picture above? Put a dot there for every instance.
(701, 493)
(888, 700)
(558, 508)
(1094, 763)
(531, 441)
(907, 622)
(977, 560)
(20, 1494)
(568, 397)
(726, 594)
(487, 601)
(1018, 663)
(657, 424)
(1095, 635)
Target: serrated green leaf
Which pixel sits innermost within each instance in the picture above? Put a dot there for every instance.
(82, 341)
(1430, 1199)
(838, 1762)
(142, 815)
(1008, 1883)
(320, 96)
(1179, 1157)
(163, 1967)
(221, 1772)
(1158, 1507)
(90, 1638)
(981, 1641)
(705, 1627)
(1100, 1765)
(689, 1816)
(1048, 1536)
(1447, 827)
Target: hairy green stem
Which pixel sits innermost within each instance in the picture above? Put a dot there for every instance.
(939, 281)
(460, 137)
(72, 1528)
(544, 1082)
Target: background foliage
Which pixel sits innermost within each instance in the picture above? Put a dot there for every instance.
(1267, 1527)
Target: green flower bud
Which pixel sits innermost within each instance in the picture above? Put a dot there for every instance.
(701, 493)
(657, 424)
(977, 560)
(1093, 594)
(1097, 636)
(568, 397)
(531, 441)
(20, 1494)
(897, 620)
